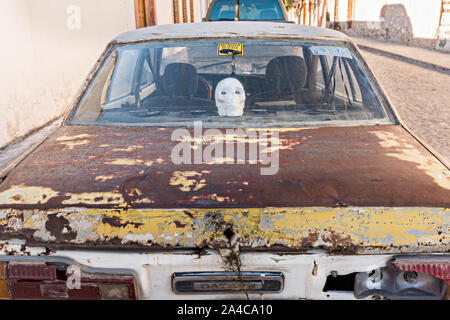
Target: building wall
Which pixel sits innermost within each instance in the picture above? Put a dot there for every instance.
(48, 48)
(164, 12)
(412, 22)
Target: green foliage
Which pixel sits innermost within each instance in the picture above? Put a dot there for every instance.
(297, 5)
(288, 4)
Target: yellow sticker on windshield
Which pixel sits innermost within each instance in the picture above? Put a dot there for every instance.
(230, 49)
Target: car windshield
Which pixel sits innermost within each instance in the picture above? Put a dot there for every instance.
(225, 10)
(247, 83)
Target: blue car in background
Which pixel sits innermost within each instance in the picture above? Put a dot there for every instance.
(249, 10)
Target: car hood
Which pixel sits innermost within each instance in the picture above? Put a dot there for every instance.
(116, 167)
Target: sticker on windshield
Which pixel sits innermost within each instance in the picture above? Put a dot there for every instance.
(331, 51)
(230, 49)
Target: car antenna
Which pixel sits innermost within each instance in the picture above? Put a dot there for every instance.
(236, 17)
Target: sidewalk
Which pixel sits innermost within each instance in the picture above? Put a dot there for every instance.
(17, 148)
(435, 60)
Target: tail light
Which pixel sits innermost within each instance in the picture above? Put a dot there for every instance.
(407, 277)
(55, 281)
(438, 266)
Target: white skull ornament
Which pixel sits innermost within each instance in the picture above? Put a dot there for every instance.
(230, 97)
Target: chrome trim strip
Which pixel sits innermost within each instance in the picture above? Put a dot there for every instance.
(227, 282)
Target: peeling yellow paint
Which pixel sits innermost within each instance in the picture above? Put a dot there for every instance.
(187, 180)
(94, 198)
(73, 144)
(68, 138)
(129, 149)
(151, 162)
(73, 141)
(213, 197)
(134, 192)
(126, 162)
(134, 162)
(365, 229)
(22, 194)
(104, 178)
(144, 200)
(34, 221)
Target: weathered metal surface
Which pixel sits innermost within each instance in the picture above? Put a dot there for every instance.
(336, 230)
(223, 29)
(111, 167)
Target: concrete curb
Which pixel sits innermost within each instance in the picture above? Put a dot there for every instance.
(420, 63)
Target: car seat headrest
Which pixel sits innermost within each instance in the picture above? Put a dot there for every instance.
(180, 79)
(286, 74)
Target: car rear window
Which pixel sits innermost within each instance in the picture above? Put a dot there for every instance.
(225, 10)
(231, 83)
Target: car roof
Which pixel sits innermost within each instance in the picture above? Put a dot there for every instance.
(231, 29)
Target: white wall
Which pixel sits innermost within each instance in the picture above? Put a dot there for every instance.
(367, 10)
(423, 15)
(164, 13)
(47, 51)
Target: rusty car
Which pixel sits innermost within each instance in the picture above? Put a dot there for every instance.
(227, 160)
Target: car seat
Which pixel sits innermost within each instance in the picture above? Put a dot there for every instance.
(286, 75)
(179, 84)
(180, 79)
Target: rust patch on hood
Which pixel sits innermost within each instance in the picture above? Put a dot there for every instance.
(343, 166)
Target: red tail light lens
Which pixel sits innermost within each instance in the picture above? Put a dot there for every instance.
(436, 265)
(41, 280)
(31, 271)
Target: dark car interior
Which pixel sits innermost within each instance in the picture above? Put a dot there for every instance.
(182, 86)
(285, 88)
(253, 10)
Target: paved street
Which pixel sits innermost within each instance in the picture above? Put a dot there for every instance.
(421, 96)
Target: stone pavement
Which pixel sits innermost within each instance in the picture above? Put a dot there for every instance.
(436, 60)
(420, 93)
